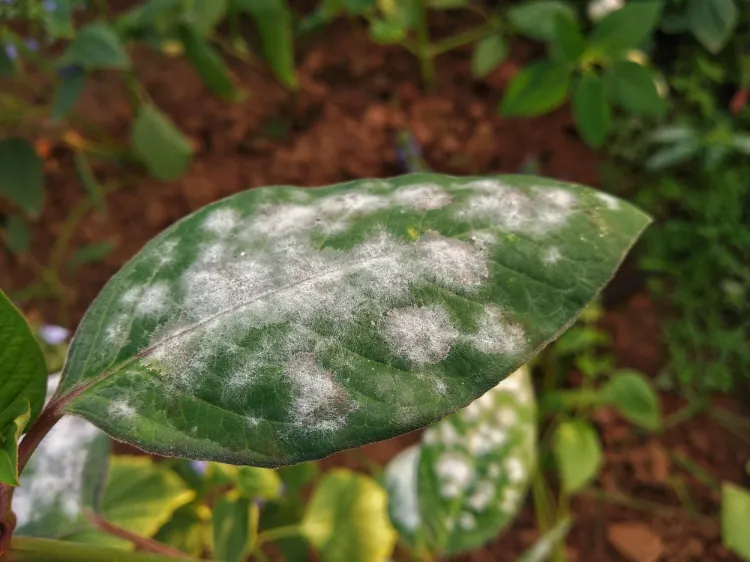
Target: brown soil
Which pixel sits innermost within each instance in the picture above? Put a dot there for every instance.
(353, 99)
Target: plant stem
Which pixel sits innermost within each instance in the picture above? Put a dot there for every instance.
(278, 533)
(426, 56)
(460, 39)
(142, 543)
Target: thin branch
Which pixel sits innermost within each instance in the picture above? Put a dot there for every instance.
(142, 543)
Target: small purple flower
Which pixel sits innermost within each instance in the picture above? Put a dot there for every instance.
(11, 51)
(49, 5)
(199, 466)
(54, 335)
(7, 2)
(32, 44)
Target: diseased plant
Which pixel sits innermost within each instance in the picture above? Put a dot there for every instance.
(281, 324)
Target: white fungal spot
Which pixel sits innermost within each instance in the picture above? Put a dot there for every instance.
(452, 261)
(121, 409)
(467, 521)
(552, 255)
(515, 470)
(401, 479)
(612, 203)
(222, 221)
(131, 296)
(511, 498)
(420, 334)
(116, 329)
(423, 197)
(455, 474)
(212, 253)
(483, 495)
(320, 403)
(153, 300)
(495, 335)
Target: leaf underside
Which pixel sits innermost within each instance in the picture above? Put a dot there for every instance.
(283, 324)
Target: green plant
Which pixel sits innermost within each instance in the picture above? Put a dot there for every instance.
(598, 71)
(280, 325)
(735, 512)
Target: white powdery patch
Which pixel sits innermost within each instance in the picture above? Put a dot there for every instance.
(164, 252)
(597, 9)
(422, 196)
(154, 300)
(131, 296)
(612, 203)
(115, 331)
(401, 479)
(495, 335)
(421, 335)
(487, 439)
(320, 403)
(455, 474)
(222, 221)
(452, 261)
(467, 521)
(515, 470)
(212, 253)
(53, 477)
(482, 496)
(542, 210)
(121, 409)
(552, 255)
(511, 499)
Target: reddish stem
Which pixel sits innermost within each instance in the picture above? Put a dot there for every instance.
(142, 543)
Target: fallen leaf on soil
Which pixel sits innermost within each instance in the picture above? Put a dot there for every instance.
(635, 541)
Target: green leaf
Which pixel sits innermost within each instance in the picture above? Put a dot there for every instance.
(58, 20)
(540, 87)
(205, 16)
(141, 495)
(207, 62)
(735, 513)
(61, 477)
(297, 476)
(488, 53)
(258, 483)
(447, 4)
(17, 235)
(672, 134)
(90, 253)
(274, 21)
(95, 47)
(635, 398)
(632, 87)
(89, 181)
(235, 522)
(542, 549)
(346, 519)
(567, 41)
(741, 143)
(23, 374)
(578, 453)
(591, 110)
(387, 32)
(224, 338)
(159, 144)
(712, 22)
(626, 28)
(536, 19)
(188, 530)
(68, 90)
(673, 155)
(7, 66)
(21, 175)
(469, 476)
(9, 436)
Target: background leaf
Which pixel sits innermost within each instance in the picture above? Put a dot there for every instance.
(96, 46)
(21, 175)
(635, 398)
(631, 86)
(712, 22)
(68, 91)
(347, 519)
(258, 483)
(234, 526)
(223, 339)
(591, 110)
(567, 41)
(543, 548)
(626, 28)
(469, 476)
(207, 62)
(17, 235)
(735, 513)
(23, 374)
(20, 412)
(274, 21)
(488, 53)
(159, 144)
(540, 87)
(89, 181)
(578, 453)
(536, 19)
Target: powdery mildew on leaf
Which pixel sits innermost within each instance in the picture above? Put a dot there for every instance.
(311, 320)
(51, 485)
(475, 468)
(401, 479)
